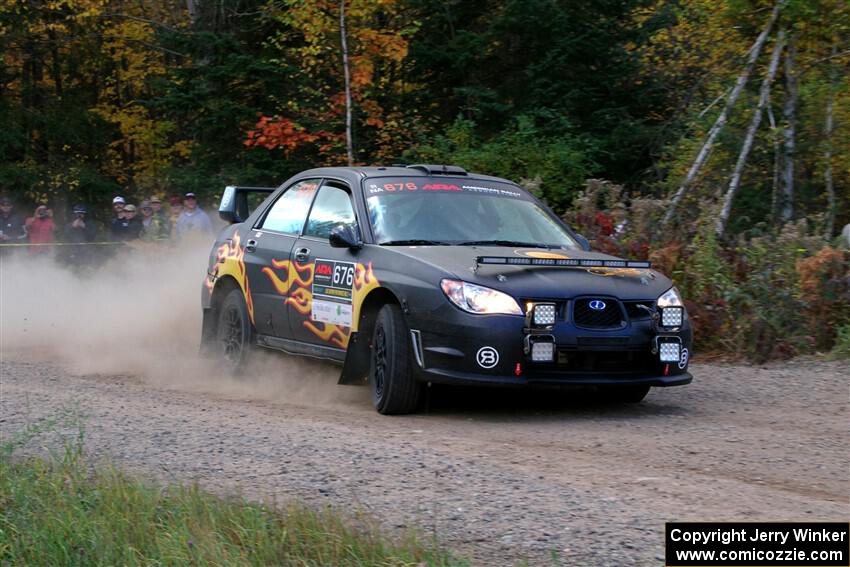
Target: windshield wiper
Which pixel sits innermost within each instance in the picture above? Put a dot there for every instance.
(507, 243)
(414, 242)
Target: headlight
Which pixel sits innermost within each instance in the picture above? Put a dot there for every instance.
(670, 298)
(478, 299)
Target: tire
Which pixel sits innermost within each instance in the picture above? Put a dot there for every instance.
(234, 332)
(394, 388)
(629, 394)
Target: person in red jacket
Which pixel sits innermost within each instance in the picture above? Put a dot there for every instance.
(41, 228)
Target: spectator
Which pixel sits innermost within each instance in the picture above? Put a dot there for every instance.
(117, 227)
(153, 227)
(192, 219)
(134, 223)
(176, 204)
(156, 205)
(118, 207)
(12, 227)
(41, 228)
(80, 229)
(125, 226)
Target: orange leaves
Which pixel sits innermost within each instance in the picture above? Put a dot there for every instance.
(279, 133)
(377, 37)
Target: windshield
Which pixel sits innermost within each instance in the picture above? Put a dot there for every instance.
(459, 211)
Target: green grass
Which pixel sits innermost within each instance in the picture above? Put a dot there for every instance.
(61, 511)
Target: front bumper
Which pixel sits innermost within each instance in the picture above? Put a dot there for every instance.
(448, 345)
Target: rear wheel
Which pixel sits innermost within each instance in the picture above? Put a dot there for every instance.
(394, 388)
(233, 331)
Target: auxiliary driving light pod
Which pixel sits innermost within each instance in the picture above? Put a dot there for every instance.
(669, 349)
(672, 316)
(543, 314)
(541, 348)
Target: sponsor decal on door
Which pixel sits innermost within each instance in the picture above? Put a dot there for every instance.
(332, 292)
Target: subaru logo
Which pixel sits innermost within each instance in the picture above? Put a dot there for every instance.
(597, 304)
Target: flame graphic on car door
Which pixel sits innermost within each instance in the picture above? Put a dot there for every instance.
(294, 281)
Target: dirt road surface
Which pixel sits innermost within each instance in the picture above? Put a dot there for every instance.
(497, 476)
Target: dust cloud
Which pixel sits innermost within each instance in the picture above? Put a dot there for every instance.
(139, 315)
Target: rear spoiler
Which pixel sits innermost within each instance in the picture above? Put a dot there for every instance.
(234, 206)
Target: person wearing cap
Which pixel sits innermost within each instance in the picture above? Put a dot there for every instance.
(12, 228)
(134, 222)
(41, 228)
(117, 226)
(153, 228)
(80, 229)
(193, 220)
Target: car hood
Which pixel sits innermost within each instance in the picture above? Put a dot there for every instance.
(543, 282)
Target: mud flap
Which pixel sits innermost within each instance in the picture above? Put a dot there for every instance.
(355, 370)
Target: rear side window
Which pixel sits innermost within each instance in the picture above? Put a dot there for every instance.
(289, 212)
(332, 208)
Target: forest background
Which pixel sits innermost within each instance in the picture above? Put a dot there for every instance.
(711, 136)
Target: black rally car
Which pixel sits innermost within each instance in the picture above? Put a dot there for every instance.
(425, 273)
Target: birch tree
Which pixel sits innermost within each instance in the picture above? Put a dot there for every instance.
(789, 132)
(349, 142)
(764, 95)
(721, 120)
(827, 153)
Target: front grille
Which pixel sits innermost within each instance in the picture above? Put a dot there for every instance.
(610, 317)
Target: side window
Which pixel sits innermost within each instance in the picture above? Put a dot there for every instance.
(289, 212)
(332, 208)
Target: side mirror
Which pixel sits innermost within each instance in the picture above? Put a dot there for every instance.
(583, 242)
(345, 236)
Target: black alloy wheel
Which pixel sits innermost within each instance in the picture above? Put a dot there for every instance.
(234, 331)
(394, 386)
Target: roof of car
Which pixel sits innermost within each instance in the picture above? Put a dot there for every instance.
(404, 171)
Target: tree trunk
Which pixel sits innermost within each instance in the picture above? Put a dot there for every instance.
(764, 94)
(192, 8)
(755, 51)
(789, 133)
(777, 161)
(349, 143)
(827, 154)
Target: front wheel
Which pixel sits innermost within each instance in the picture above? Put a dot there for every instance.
(233, 331)
(394, 388)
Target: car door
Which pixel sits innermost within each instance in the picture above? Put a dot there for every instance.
(273, 282)
(326, 319)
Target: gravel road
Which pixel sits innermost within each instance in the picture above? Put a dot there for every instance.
(497, 476)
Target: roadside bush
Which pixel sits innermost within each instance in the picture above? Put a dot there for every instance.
(842, 343)
(825, 293)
